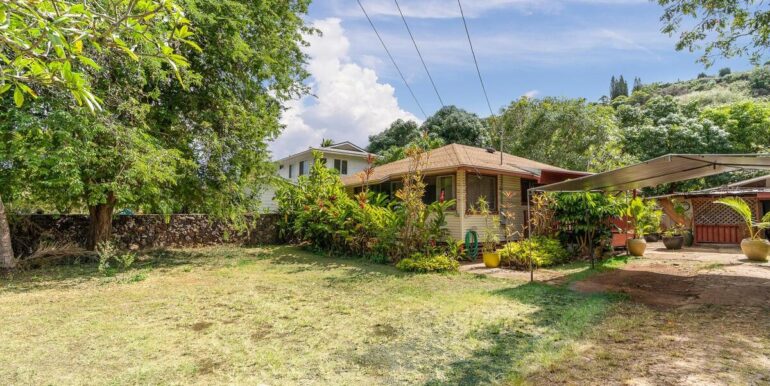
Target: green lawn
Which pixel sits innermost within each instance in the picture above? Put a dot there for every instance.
(283, 316)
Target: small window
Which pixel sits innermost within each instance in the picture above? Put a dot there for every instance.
(291, 169)
(341, 166)
(445, 188)
(302, 168)
(482, 186)
(280, 167)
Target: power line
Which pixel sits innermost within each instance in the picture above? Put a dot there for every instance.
(419, 54)
(468, 34)
(391, 59)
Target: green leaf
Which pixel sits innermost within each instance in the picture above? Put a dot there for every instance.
(4, 88)
(18, 96)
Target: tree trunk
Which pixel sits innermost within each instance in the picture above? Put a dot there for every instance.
(100, 222)
(6, 248)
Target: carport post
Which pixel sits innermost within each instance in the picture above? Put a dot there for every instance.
(529, 234)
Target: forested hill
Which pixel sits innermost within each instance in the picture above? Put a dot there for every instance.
(723, 113)
(722, 88)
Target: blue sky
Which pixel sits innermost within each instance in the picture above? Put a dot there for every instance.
(564, 48)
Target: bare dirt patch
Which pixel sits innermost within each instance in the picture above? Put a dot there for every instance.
(200, 326)
(696, 345)
(688, 277)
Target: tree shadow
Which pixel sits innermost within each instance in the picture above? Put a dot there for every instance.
(559, 315)
(62, 276)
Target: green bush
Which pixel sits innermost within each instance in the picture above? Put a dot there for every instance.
(544, 251)
(425, 264)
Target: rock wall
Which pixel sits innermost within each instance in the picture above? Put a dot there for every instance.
(141, 231)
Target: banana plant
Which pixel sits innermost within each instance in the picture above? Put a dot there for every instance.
(743, 209)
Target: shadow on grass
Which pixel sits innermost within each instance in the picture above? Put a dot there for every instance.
(70, 275)
(559, 317)
(290, 258)
(581, 270)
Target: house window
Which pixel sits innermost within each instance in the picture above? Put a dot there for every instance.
(445, 188)
(302, 168)
(291, 169)
(481, 186)
(280, 167)
(341, 166)
(526, 185)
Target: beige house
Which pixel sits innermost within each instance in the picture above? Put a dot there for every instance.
(466, 173)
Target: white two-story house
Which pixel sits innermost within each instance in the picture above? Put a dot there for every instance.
(345, 157)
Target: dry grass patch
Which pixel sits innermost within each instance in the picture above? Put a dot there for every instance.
(281, 316)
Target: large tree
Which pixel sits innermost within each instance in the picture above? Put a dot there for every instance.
(398, 134)
(455, 125)
(199, 145)
(569, 133)
(719, 28)
(250, 64)
(48, 45)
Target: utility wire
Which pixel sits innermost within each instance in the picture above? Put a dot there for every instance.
(468, 34)
(391, 59)
(419, 54)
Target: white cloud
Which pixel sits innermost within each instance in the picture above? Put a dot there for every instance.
(531, 93)
(350, 102)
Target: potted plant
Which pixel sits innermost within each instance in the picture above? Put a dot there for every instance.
(681, 207)
(645, 218)
(673, 238)
(754, 247)
(491, 237)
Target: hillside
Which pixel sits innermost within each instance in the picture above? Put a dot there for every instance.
(717, 90)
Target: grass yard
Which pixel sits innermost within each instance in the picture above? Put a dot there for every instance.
(281, 316)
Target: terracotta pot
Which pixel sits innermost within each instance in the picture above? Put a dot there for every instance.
(673, 242)
(636, 247)
(755, 250)
(491, 259)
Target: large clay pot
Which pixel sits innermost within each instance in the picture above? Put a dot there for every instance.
(491, 259)
(673, 242)
(755, 250)
(636, 247)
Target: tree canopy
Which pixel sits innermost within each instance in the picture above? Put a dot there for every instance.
(720, 28)
(51, 43)
(455, 125)
(159, 144)
(398, 134)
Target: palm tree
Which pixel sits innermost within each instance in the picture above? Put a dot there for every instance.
(326, 142)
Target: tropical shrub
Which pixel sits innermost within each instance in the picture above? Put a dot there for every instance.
(421, 263)
(645, 216)
(319, 212)
(583, 218)
(545, 251)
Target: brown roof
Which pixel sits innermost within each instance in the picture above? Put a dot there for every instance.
(456, 156)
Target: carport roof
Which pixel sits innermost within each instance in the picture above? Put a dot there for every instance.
(661, 170)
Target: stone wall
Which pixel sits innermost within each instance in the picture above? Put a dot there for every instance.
(141, 231)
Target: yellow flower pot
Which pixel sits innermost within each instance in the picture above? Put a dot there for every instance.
(636, 247)
(755, 250)
(491, 259)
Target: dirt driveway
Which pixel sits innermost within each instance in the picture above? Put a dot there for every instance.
(693, 276)
(699, 316)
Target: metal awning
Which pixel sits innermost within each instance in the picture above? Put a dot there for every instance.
(661, 170)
